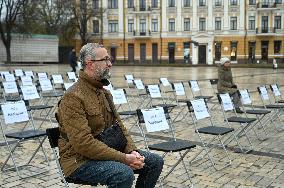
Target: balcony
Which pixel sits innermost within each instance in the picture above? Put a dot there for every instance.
(265, 31)
(266, 6)
(142, 34)
(142, 10)
(218, 8)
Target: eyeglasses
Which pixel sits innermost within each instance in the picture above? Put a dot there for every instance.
(107, 59)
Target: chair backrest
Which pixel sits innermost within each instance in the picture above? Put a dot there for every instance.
(57, 79)
(71, 75)
(178, 88)
(154, 91)
(26, 80)
(245, 97)
(29, 73)
(275, 90)
(29, 92)
(263, 93)
(19, 72)
(139, 84)
(9, 77)
(165, 82)
(225, 102)
(119, 96)
(67, 85)
(129, 78)
(15, 112)
(200, 109)
(42, 75)
(53, 136)
(10, 87)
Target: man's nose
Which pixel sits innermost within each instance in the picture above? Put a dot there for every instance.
(109, 64)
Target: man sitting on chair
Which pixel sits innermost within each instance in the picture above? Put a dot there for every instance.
(85, 111)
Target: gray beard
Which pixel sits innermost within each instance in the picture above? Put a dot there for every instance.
(106, 74)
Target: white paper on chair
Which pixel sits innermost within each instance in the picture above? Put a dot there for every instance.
(15, 112)
(118, 96)
(263, 92)
(71, 75)
(165, 81)
(200, 109)
(155, 119)
(4, 73)
(194, 85)
(67, 85)
(57, 79)
(45, 85)
(26, 80)
(42, 76)
(29, 92)
(108, 87)
(154, 91)
(19, 72)
(139, 84)
(29, 73)
(227, 102)
(275, 90)
(245, 97)
(179, 89)
(10, 87)
(129, 78)
(9, 77)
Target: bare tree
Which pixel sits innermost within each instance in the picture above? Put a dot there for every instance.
(9, 11)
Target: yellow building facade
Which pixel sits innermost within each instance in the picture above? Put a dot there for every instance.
(191, 31)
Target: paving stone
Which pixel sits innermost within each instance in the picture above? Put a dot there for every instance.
(265, 182)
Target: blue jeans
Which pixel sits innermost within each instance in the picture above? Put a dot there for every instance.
(118, 175)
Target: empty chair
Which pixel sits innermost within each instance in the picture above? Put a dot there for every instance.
(276, 93)
(196, 91)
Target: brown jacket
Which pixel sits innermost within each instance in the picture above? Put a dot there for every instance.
(225, 80)
(83, 113)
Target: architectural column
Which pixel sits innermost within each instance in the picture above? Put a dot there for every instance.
(210, 16)
(226, 15)
(194, 16)
(242, 15)
(120, 18)
(178, 18)
(194, 54)
(164, 18)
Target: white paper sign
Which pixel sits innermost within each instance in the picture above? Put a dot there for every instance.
(165, 81)
(129, 78)
(139, 84)
(245, 97)
(194, 85)
(263, 92)
(57, 79)
(19, 72)
(108, 87)
(227, 102)
(29, 73)
(29, 92)
(9, 77)
(10, 87)
(26, 80)
(275, 90)
(42, 76)
(15, 112)
(71, 75)
(154, 91)
(45, 85)
(179, 89)
(155, 119)
(200, 109)
(4, 73)
(118, 96)
(67, 85)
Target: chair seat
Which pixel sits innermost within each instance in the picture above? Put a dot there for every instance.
(13, 98)
(128, 113)
(274, 106)
(241, 119)
(52, 94)
(165, 105)
(40, 107)
(173, 146)
(213, 130)
(203, 97)
(258, 112)
(28, 134)
(183, 100)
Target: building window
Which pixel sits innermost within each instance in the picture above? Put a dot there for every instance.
(186, 54)
(154, 3)
(96, 4)
(130, 3)
(96, 26)
(112, 26)
(202, 24)
(142, 5)
(218, 51)
(278, 1)
(112, 4)
(218, 2)
(172, 3)
(172, 24)
(130, 25)
(202, 2)
(252, 2)
(142, 26)
(251, 23)
(218, 23)
(277, 46)
(186, 3)
(154, 25)
(234, 2)
(234, 47)
(233, 23)
(186, 24)
(277, 22)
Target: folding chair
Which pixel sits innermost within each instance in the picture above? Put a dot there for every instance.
(29, 73)
(166, 88)
(141, 93)
(204, 125)
(155, 120)
(214, 83)
(196, 91)
(57, 81)
(9, 77)
(244, 122)
(16, 113)
(129, 80)
(26, 80)
(10, 91)
(276, 93)
(72, 76)
(42, 76)
(53, 135)
(19, 72)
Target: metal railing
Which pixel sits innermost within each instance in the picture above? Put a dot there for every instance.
(266, 5)
(265, 30)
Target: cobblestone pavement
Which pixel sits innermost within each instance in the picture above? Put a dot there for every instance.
(261, 167)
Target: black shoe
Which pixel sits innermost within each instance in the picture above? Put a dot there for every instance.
(238, 110)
